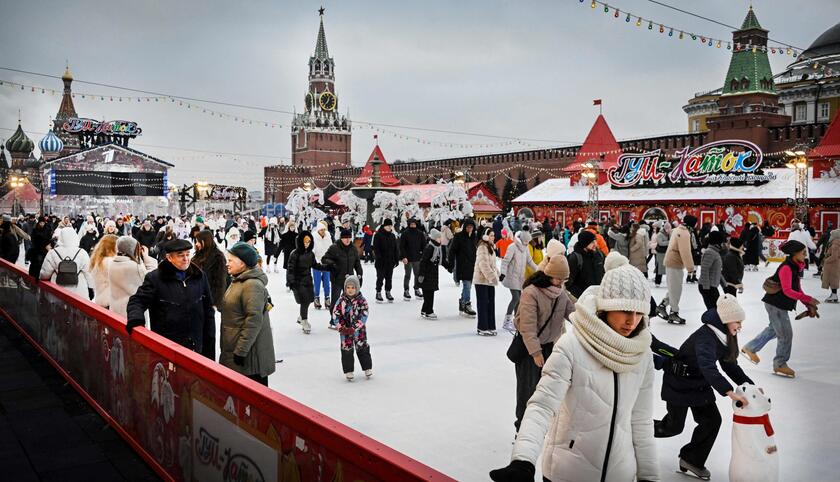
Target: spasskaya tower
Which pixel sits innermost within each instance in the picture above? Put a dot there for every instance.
(320, 135)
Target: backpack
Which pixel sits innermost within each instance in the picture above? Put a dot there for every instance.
(67, 273)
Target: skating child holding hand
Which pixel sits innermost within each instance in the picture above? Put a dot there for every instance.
(350, 313)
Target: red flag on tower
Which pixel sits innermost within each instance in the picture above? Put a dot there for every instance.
(596, 102)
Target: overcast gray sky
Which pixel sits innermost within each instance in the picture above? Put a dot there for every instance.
(510, 68)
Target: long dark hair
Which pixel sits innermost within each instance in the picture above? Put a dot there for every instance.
(731, 346)
(538, 279)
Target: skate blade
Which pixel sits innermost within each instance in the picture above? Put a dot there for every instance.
(748, 358)
(691, 474)
(783, 375)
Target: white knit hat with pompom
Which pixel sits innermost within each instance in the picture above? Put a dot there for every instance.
(729, 310)
(624, 287)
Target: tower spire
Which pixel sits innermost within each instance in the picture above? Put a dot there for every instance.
(321, 51)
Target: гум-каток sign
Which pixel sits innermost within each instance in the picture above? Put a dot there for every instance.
(721, 163)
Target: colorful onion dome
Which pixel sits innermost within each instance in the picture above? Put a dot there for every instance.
(51, 144)
(19, 143)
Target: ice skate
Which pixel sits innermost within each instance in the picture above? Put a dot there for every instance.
(379, 298)
(305, 326)
(418, 294)
(431, 316)
(327, 303)
(482, 332)
(694, 471)
(675, 319)
(317, 303)
(832, 298)
(784, 371)
(368, 373)
(662, 309)
(508, 324)
(332, 327)
(349, 376)
(406, 296)
(751, 356)
(389, 297)
(468, 311)
(492, 332)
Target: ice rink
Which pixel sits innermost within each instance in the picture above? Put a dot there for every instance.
(445, 396)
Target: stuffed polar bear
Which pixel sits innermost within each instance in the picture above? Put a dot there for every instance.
(755, 457)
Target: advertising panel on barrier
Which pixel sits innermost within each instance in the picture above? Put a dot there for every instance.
(187, 417)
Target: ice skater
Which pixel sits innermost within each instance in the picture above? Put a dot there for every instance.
(351, 314)
(691, 375)
(430, 274)
(778, 302)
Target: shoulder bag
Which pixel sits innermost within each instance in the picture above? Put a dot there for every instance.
(517, 351)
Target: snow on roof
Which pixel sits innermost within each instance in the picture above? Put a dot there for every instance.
(559, 190)
(429, 191)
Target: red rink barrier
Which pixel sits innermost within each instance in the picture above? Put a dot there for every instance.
(188, 417)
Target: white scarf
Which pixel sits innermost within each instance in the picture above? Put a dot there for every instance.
(616, 352)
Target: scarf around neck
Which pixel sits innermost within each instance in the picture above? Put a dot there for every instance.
(614, 351)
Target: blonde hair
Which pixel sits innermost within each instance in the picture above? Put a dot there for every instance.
(105, 248)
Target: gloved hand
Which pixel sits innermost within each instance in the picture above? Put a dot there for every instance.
(501, 277)
(517, 471)
(131, 324)
(239, 360)
(420, 279)
(90, 293)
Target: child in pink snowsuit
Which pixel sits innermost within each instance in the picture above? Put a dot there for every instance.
(350, 313)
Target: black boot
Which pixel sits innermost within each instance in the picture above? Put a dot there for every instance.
(418, 294)
(468, 311)
(379, 298)
(406, 295)
(389, 297)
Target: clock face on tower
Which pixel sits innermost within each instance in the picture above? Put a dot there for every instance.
(327, 101)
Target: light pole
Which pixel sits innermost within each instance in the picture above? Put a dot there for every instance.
(15, 182)
(799, 162)
(590, 172)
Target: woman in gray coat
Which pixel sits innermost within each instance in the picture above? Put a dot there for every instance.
(246, 343)
(513, 273)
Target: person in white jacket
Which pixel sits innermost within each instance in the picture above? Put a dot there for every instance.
(127, 271)
(68, 247)
(513, 273)
(799, 233)
(100, 261)
(595, 397)
(321, 242)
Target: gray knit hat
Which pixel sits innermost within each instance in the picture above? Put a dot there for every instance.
(127, 246)
(352, 280)
(525, 237)
(434, 234)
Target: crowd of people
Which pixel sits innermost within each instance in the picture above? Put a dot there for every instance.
(580, 308)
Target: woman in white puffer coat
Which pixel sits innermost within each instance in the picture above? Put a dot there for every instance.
(513, 273)
(595, 397)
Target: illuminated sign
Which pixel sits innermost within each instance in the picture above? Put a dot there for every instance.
(721, 163)
(75, 125)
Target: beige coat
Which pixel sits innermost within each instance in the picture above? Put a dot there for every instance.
(101, 286)
(124, 277)
(534, 309)
(638, 249)
(485, 271)
(679, 250)
(831, 266)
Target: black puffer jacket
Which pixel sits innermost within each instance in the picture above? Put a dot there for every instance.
(412, 241)
(461, 252)
(299, 271)
(429, 270)
(385, 249)
(341, 261)
(146, 238)
(699, 353)
(288, 240)
(181, 311)
(586, 268)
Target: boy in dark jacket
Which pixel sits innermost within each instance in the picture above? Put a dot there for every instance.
(412, 241)
(428, 278)
(691, 376)
(461, 255)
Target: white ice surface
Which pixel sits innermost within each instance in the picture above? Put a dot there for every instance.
(445, 396)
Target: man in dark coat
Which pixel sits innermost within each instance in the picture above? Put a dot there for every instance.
(691, 375)
(461, 256)
(341, 259)
(412, 241)
(386, 257)
(146, 235)
(429, 275)
(586, 264)
(178, 299)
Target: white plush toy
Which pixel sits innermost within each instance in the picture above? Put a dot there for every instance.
(755, 457)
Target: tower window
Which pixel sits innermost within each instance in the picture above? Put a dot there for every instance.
(823, 111)
(745, 83)
(733, 85)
